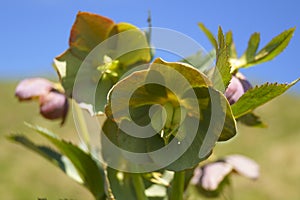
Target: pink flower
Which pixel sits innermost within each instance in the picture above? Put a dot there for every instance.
(53, 104)
(237, 87)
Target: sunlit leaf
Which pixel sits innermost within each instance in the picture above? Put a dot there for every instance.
(51, 155)
(231, 45)
(221, 73)
(267, 53)
(274, 47)
(258, 96)
(86, 167)
(222, 76)
(209, 35)
(200, 61)
(251, 50)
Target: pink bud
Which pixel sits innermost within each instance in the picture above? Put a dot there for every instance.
(54, 105)
(33, 88)
(237, 87)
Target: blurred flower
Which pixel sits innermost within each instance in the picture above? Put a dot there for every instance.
(210, 176)
(237, 87)
(33, 88)
(53, 104)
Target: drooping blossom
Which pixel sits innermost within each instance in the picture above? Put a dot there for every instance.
(53, 104)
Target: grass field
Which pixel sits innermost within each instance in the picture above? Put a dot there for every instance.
(24, 175)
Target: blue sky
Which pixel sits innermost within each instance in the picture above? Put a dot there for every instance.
(33, 32)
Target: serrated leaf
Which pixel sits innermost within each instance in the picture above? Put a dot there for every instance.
(251, 50)
(274, 47)
(222, 76)
(267, 53)
(221, 39)
(51, 155)
(231, 45)
(87, 168)
(258, 96)
(46, 152)
(209, 35)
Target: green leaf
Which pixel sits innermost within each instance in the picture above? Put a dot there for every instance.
(258, 96)
(46, 152)
(253, 44)
(252, 120)
(131, 46)
(221, 39)
(200, 61)
(274, 47)
(51, 155)
(87, 168)
(267, 53)
(209, 35)
(222, 76)
(231, 45)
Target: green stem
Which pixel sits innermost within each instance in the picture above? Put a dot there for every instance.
(78, 113)
(178, 186)
(139, 186)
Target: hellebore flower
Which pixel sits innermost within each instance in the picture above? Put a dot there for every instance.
(208, 178)
(237, 87)
(53, 104)
(33, 88)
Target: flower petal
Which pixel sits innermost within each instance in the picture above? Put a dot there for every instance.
(211, 175)
(243, 166)
(31, 88)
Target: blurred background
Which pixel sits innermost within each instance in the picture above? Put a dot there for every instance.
(33, 32)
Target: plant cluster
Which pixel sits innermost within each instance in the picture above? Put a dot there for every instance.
(157, 122)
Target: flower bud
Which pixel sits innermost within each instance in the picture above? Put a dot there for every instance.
(54, 105)
(237, 87)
